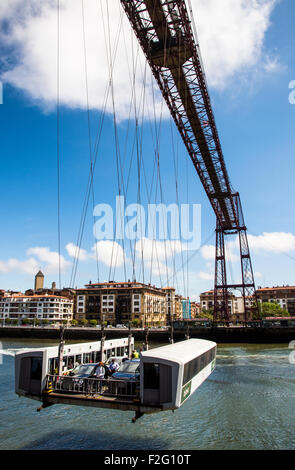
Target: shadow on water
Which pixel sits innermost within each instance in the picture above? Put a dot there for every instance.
(100, 440)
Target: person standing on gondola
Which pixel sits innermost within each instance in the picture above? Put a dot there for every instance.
(100, 374)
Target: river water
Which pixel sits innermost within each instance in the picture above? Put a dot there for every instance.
(247, 403)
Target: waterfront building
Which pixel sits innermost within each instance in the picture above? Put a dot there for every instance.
(236, 307)
(207, 301)
(186, 308)
(64, 292)
(121, 302)
(195, 310)
(35, 307)
(41, 290)
(170, 303)
(282, 295)
(178, 307)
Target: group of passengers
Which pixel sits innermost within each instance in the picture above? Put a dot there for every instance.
(103, 371)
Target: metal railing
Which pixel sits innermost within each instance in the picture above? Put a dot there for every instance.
(93, 386)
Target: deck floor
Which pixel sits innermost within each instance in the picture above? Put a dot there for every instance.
(100, 397)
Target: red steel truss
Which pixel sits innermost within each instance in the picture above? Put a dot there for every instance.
(163, 29)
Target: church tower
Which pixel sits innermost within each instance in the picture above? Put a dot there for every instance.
(39, 281)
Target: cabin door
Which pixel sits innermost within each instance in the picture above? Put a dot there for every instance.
(165, 384)
(157, 384)
(30, 375)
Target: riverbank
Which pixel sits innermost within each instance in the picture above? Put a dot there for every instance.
(219, 335)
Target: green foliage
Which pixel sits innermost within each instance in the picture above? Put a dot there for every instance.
(271, 309)
(207, 314)
(93, 322)
(74, 322)
(136, 322)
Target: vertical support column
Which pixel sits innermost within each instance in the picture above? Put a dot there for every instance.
(61, 350)
(102, 339)
(220, 289)
(248, 286)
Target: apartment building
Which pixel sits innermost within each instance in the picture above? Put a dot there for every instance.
(170, 303)
(35, 307)
(195, 309)
(121, 302)
(236, 307)
(186, 308)
(283, 295)
(178, 307)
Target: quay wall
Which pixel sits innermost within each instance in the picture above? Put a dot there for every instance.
(219, 335)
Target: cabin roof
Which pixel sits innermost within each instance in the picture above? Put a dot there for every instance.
(183, 351)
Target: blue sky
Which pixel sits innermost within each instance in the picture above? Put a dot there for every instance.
(249, 59)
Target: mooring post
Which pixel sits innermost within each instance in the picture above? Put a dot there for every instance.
(146, 339)
(61, 350)
(171, 338)
(187, 331)
(129, 341)
(102, 340)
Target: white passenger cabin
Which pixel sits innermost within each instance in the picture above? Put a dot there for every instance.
(33, 365)
(170, 374)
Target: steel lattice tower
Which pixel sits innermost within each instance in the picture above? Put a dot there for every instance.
(164, 31)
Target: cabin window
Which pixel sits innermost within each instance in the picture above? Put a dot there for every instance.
(86, 358)
(69, 362)
(151, 376)
(78, 359)
(192, 368)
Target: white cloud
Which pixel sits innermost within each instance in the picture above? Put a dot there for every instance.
(159, 257)
(208, 252)
(162, 250)
(76, 252)
(267, 242)
(272, 64)
(49, 260)
(29, 266)
(231, 34)
(257, 275)
(108, 252)
(205, 276)
(272, 242)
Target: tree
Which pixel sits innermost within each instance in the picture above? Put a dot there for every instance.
(271, 309)
(207, 314)
(136, 322)
(74, 322)
(93, 323)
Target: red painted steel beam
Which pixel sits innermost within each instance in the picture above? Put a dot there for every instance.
(165, 35)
